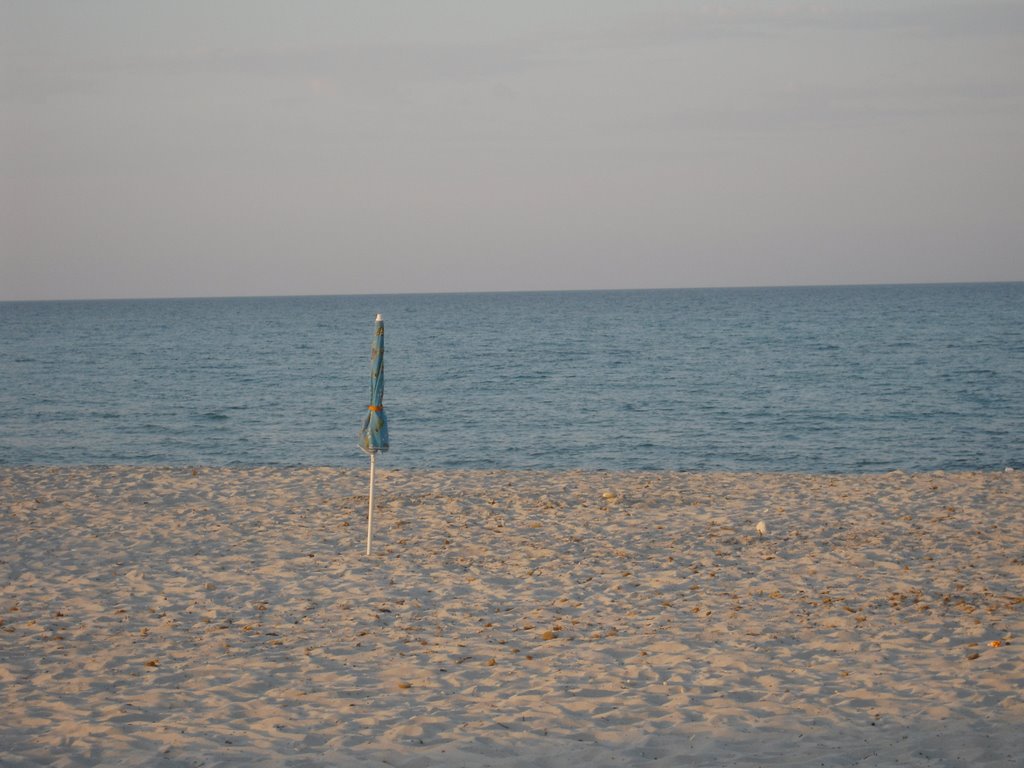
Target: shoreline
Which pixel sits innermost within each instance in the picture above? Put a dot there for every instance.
(220, 616)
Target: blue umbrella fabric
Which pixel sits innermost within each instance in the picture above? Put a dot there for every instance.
(373, 437)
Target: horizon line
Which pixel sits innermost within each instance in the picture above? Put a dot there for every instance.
(513, 291)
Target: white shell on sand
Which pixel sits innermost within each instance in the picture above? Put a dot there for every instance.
(761, 528)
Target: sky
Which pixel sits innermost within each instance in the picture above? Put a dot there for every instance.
(219, 148)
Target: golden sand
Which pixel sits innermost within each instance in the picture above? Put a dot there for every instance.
(229, 617)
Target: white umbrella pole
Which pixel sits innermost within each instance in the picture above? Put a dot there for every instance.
(369, 518)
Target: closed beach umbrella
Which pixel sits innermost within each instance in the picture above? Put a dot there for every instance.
(373, 437)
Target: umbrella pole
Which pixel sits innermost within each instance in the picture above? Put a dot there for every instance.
(369, 517)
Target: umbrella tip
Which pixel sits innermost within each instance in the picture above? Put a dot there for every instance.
(379, 318)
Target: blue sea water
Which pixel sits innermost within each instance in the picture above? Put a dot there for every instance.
(810, 379)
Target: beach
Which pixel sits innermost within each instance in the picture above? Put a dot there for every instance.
(229, 616)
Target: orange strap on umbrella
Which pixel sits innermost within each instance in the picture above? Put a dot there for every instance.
(376, 408)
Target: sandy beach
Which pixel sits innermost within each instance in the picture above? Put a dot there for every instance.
(215, 617)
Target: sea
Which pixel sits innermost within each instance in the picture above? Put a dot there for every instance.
(845, 379)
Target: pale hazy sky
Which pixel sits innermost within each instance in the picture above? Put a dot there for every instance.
(249, 148)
